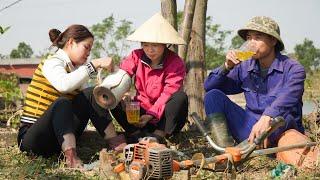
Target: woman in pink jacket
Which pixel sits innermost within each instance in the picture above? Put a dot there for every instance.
(158, 76)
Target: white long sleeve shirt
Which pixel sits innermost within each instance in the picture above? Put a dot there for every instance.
(54, 70)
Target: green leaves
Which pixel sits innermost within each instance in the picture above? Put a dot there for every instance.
(23, 51)
(10, 91)
(110, 38)
(215, 44)
(236, 42)
(308, 55)
(3, 30)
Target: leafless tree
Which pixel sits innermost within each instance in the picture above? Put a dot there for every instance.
(193, 32)
(169, 12)
(196, 59)
(189, 8)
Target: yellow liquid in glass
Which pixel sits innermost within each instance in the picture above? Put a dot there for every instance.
(244, 55)
(133, 115)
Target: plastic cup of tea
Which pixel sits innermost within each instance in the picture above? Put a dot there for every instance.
(133, 112)
(246, 51)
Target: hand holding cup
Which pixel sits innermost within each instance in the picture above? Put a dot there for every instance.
(245, 52)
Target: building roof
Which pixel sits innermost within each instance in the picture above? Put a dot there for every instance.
(22, 61)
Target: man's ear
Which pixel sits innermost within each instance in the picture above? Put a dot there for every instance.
(274, 41)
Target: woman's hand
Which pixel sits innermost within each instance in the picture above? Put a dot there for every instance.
(125, 99)
(231, 59)
(105, 63)
(144, 119)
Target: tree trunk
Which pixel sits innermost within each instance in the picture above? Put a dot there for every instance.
(196, 60)
(189, 7)
(169, 12)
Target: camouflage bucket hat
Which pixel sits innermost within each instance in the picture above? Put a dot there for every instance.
(265, 25)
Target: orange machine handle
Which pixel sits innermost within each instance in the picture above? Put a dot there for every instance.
(235, 152)
(119, 168)
(177, 166)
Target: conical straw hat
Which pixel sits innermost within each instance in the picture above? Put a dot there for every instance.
(156, 30)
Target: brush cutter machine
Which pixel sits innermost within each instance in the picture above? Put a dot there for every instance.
(147, 159)
(242, 152)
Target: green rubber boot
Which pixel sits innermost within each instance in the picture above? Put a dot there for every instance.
(219, 130)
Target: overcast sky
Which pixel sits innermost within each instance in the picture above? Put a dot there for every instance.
(30, 20)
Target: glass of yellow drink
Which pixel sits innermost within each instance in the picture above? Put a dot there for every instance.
(244, 55)
(246, 51)
(133, 112)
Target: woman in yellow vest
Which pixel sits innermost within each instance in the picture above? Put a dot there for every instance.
(57, 105)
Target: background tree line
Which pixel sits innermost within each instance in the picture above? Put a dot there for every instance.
(110, 35)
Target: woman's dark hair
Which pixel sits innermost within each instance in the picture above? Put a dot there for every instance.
(76, 32)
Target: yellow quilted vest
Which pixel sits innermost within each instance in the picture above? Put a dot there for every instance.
(40, 94)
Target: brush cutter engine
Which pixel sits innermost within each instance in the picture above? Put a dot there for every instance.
(148, 159)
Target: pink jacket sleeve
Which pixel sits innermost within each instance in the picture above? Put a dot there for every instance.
(129, 64)
(175, 74)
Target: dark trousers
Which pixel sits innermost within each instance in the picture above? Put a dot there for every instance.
(45, 136)
(172, 120)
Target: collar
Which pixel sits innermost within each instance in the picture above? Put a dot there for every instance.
(253, 66)
(61, 54)
(146, 60)
(277, 64)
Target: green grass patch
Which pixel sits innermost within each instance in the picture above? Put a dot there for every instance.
(17, 165)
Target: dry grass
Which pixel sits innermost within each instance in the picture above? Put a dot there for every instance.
(16, 165)
(257, 168)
